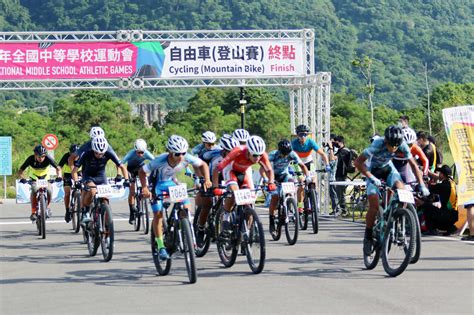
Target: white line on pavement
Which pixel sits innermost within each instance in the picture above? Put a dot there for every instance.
(48, 222)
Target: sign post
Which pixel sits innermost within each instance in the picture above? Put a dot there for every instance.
(5, 161)
(50, 142)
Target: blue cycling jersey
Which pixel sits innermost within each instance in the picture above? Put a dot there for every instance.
(93, 166)
(136, 161)
(165, 171)
(304, 150)
(379, 155)
(200, 150)
(280, 163)
(213, 157)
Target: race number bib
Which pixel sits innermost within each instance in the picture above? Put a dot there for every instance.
(42, 183)
(288, 188)
(178, 192)
(104, 191)
(405, 196)
(244, 197)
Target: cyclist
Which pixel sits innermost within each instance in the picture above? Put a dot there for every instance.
(94, 132)
(39, 162)
(93, 164)
(226, 144)
(236, 167)
(381, 153)
(208, 139)
(304, 146)
(241, 135)
(281, 160)
(166, 166)
(429, 149)
(401, 164)
(67, 182)
(135, 159)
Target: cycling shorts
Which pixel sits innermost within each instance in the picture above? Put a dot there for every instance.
(133, 172)
(159, 189)
(406, 174)
(232, 177)
(388, 173)
(67, 180)
(98, 180)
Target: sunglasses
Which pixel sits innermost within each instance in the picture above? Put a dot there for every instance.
(256, 155)
(179, 154)
(302, 134)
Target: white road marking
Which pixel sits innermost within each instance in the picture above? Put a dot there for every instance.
(47, 222)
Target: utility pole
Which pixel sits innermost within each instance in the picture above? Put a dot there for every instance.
(428, 96)
(242, 103)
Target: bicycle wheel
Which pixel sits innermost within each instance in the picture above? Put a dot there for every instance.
(415, 256)
(187, 249)
(291, 221)
(312, 202)
(162, 266)
(226, 246)
(145, 215)
(42, 218)
(106, 232)
(253, 240)
(371, 261)
(138, 214)
(202, 246)
(275, 230)
(399, 242)
(91, 237)
(76, 212)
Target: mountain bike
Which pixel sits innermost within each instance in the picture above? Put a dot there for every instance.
(311, 204)
(42, 202)
(241, 227)
(394, 232)
(75, 208)
(100, 230)
(142, 212)
(177, 233)
(287, 215)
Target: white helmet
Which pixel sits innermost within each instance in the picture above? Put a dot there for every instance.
(227, 142)
(140, 145)
(409, 135)
(99, 145)
(177, 144)
(241, 135)
(96, 132)
(208, 137)
(256, 145)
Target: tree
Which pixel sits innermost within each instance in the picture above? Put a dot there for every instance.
(365, 67)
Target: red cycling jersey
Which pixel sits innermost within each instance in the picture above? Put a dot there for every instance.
(420, 156)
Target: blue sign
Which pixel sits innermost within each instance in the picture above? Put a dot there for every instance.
(5, 155)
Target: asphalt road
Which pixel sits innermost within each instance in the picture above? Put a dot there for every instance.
(322, 273)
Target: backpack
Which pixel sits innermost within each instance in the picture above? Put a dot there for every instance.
(352, 156)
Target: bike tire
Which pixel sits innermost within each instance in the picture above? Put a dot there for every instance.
(187, 249)
(312, 200)
(275, 230)
(291, 221)
(91, 238)
(399, 242)
(226, 247)
(415, 256)
(145, 217)
(42, 217)
(76, 213)
(162, 266)
(371, 261)
(255, 243)
(138, 214)
(106, 232)
(201, 247)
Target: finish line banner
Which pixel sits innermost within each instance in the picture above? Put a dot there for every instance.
(459, 124)
(167, 60)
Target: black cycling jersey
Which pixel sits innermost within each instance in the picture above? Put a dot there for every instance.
(95, 167)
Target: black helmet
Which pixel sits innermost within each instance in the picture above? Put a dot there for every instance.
(394, 136)
(284, 146)
(73, 148)
(302, 128)
(40, 150)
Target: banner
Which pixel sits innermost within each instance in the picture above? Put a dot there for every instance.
(459, 125)
(191, 59)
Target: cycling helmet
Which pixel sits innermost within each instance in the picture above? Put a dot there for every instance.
(241, 135)
(177, 144)
(409, 135)
(96, 132)
(302, 128)
(208, 137)
(100, 145)
(284, 146)
(40, 150)
(140, 145)
(227, 142)
(73, 148)
(394, 136)
(256, 145)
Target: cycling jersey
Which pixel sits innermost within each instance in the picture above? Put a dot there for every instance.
(93, 169)
(213, 157)
(165, 172)
(40, 169)
(381, 157)
(402, 163)
(280, 164)
(201, 151)
(63, 163)
(304, 150)
(430, 152)
(135, 161)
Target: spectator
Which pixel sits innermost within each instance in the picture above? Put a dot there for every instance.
(404, 121)
(444, 217)
(470, 223)
(439, 155)
(331, 152)
(428, 148)
(343, 162)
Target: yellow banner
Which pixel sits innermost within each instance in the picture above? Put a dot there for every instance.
(459, 124)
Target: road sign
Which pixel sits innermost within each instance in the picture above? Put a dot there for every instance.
(5, 155)
(50, 141)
